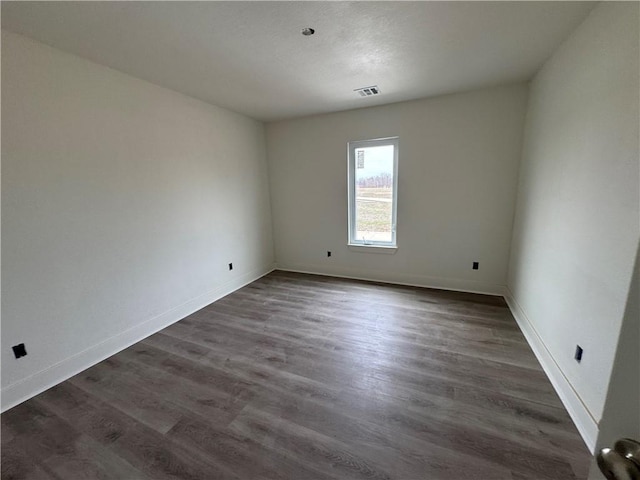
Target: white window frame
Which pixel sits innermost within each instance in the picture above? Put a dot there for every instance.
(352, 146)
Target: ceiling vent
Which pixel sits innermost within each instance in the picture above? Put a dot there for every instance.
(368, 91)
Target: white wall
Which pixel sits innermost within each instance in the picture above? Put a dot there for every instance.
(122, 204)
(577, 221)
(458, 164)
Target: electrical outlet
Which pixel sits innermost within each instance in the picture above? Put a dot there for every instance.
(578, 355)
(19, 350)
(476, 265)
(328, 253)
(231, 266)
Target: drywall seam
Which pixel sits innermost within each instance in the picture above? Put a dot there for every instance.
(31, 386)
(586, 424)
(423, 281)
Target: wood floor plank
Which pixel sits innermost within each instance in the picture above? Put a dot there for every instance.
(306, 445)
(107, 382)
(146, 450)
(307, 377)
(17, 464)
(88, 414)
(209, 401)
(244, 455)
(40, 432)
(92, 460)
(367, 360)
(375, 440)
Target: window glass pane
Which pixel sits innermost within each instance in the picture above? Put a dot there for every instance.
(374, 193)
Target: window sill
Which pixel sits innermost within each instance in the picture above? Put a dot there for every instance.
(385, 249)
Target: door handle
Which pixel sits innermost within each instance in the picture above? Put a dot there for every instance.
(622, 462)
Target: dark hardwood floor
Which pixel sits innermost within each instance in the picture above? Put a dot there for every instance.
(308, 377)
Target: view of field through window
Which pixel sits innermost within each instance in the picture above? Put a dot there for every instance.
(374, 193)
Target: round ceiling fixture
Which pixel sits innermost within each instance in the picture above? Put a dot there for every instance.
(308, 31)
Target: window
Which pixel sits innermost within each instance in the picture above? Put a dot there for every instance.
(373, 192)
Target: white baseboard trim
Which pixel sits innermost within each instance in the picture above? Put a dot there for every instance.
(410, 280)
(582, 418)
(31, 386)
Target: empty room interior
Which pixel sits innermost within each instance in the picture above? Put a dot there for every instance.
(320, 240)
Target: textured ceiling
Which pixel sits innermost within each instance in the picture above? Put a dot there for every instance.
(250, 56)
